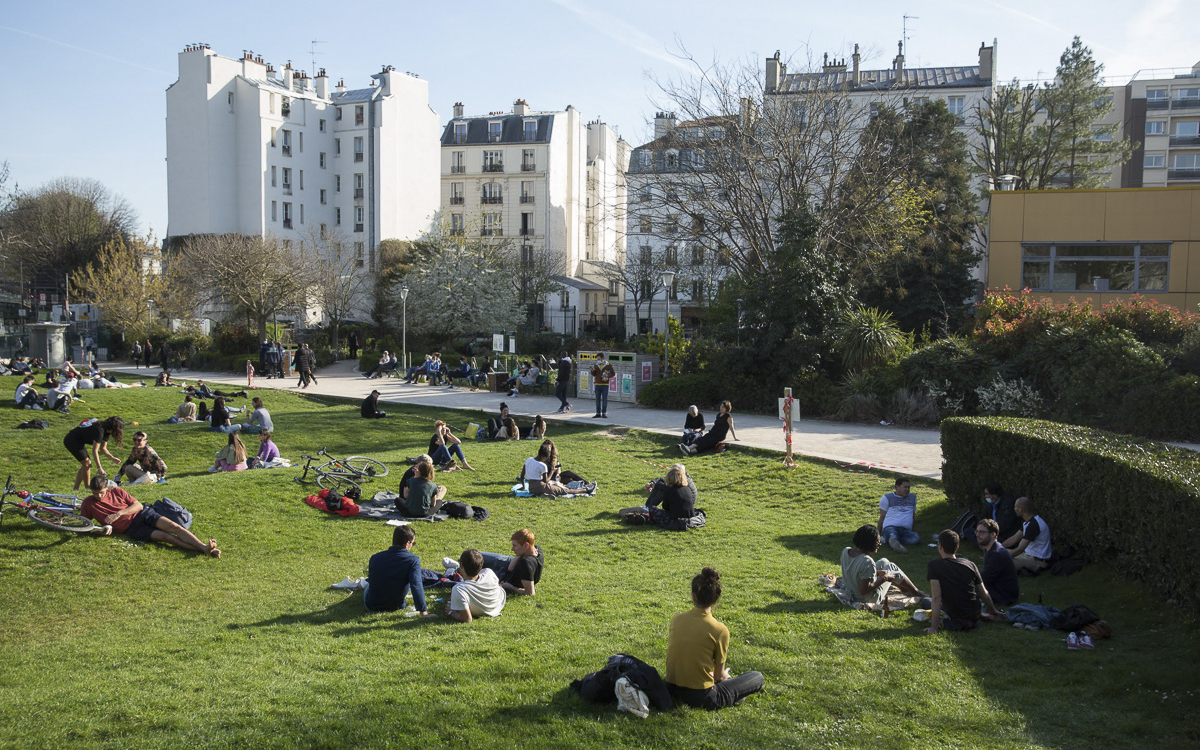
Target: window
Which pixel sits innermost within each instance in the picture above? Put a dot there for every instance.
(1187, 97)
(337, 113)
(527, 254)
(527, 191)
(301, 179)
(358, 149)
(321, 125)
(697, 225)
(274, 208)
(493, 161)
(614, 287)
(358, 218)
(287, 215)
(1156, 127)
(697, 255)
(337, 183)
(492, 225)
(531, 130)
(358, 114)
(1101, 134)
(492, 194)
(285, 107)
(323, 200)
(300, 144)
(229, 98)
(495, 130)
(875, 109)
(644, 255)
(1187, 161)
(956, 105)
(271, 104)
(671, 224)
(672, 255)
(1156, 98)
(723, 255)
(1154, 161)
(323, 231)
(359, 252)
(456, 223)
(698, 290)
(1186, 129)
(287, 181)
(321, 160)
(697, 158)
(527, 161)
(301, 213)
(272, 175)
(1100, 267)
(337, 146)
(358, 186)
(337, 217)
(526, 224)
(671, 159)
(645, 225)
(460, 132)
(458, 162)
(272, 137)
(287, 142)
(456, 194)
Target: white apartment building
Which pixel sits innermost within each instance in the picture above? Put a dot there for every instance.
(256, 151)
(1161, 115)
(552, 184)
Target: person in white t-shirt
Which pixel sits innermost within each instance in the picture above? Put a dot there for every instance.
(479, 594)
(536, 472)
(1030, 547)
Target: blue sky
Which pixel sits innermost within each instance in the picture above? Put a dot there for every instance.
(87, 79)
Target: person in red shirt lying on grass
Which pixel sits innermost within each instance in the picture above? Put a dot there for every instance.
(119, 511)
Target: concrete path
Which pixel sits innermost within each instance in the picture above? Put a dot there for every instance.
(904, 450)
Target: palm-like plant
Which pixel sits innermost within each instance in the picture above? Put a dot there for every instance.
(866, 337)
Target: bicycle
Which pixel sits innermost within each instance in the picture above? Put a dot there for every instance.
(47, 509)
(342, 474)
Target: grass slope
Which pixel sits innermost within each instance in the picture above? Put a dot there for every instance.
(153, 647)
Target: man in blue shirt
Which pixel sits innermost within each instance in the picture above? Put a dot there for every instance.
(896, 512)
(391, 574)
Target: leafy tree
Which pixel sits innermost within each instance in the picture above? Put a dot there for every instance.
(1050, 136)
(123, 280)
(929, 281)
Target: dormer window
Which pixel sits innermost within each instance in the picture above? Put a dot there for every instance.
(671, 159)
(530, 130)
(460, 132)
(495, 130)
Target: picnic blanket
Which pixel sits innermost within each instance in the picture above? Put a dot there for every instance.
(896, 599)
(521, 489)
(318, 501)
(382, 507)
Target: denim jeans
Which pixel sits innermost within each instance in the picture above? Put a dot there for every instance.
(722, 695)
(907, 536)
(226, 428)
(602, 399)
(497, 562)
(444, 453)
(560, 390)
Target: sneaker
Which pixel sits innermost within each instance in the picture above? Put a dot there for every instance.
(1085, 641)
(590, 487)
(450, 563)
(895, 544)
(595, 416)
(1073, 641)
(923, 615)
(684, 450)
(213, 470)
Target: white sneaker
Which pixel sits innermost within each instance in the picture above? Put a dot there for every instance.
(895, 544)
(451, 565)
(347, 584)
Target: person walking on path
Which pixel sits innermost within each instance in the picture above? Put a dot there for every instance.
(602, 372)
(147, 354)
(563, 382)
(303, 362)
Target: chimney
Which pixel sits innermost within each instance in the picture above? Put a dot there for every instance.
(857, 76)
(664, 122)
(837, 66)
(322, 84)
(775, 72)
(520, 107)
(458, 109)
(384, 76)
(987, 62)
(253, 67)
(898, 63)
(341, 85)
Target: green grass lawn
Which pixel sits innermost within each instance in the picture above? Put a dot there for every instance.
(146, 646)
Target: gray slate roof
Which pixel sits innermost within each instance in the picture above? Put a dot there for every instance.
(513, 129)
(877, 80)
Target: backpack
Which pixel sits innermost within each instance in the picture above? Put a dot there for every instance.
(1074, 617)
(458, 510)
(168, 508)
(33, 424)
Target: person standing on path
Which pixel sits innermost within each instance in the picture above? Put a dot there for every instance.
(147, 353)
(563, 382)
(602, 372)
(352, 341)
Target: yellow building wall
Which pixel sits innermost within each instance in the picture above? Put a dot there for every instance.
(1129, 215)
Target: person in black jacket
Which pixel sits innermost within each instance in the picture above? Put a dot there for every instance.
(693, 427)
(370, 407)
(304, 361)
(563, 381)
(672, 501)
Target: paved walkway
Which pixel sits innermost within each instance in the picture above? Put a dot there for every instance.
(910, 451)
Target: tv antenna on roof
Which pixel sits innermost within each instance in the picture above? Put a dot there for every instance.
(904, 34)
(313, 53)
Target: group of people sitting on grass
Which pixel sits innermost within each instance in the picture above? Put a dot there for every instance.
(696, 440)
(1013, 538)
(21, 365)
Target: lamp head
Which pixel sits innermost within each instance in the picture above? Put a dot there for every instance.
(404, 293)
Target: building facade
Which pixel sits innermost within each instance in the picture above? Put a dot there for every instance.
(256, 151)
(548, 185)
(1161, 116)
(1099, 244)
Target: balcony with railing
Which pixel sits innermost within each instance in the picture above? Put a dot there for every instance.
(1185, 102)
(287, 150)
(358, 119)
(1183, 174)
(457, 200)
(1161, 103)
(458, 168)
(491, 232)
(526, 230)
(492, 200)
(459, 138)
(358, 227)
(287, 223)
(358, 194)
(358, 156)
(287, 189)
(1185, 140)
(496, 167)
(527, 199)
(528, 167)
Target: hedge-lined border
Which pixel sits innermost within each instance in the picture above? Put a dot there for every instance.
(1131, 502)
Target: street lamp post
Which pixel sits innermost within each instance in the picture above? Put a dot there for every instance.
(404, 325)
(149, 321)
(667, 278)
(739, 322)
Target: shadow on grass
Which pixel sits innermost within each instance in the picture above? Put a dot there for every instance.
(789, 605)
(349, 611)
(49, 541)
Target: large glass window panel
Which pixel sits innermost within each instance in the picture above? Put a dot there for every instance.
(1125, 251)
(1153, 276)
(1082, 275)
(1036, 275)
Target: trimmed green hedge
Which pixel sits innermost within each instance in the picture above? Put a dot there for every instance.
(1127, 501)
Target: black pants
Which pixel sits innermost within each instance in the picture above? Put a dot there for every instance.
(722, 695)
(560, 390)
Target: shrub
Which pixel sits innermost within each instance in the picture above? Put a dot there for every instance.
(1169, 413)
(1187, 354)
(866, 337)
(1125, 500)
(229, 339)
(817, 394)
(860, 407)
(1009, 398)
(1152, 323)
(681, 391)
(914, 408)
(1090, 382)
(950, 369)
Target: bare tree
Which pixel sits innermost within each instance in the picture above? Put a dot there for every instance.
(639, 275)
(340, 284)
(237, 275)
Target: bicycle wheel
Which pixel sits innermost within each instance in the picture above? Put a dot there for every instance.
(60, 520)
(366, 467)
(336, 468)
(341, 485)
